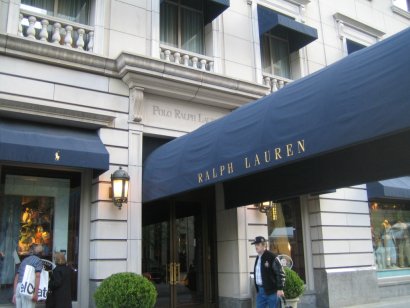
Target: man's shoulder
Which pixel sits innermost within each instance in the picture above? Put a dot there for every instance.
(269, 254)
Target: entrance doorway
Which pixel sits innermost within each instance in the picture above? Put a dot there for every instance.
(177, 253)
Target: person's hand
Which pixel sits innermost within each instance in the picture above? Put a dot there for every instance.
(280, 293)
(14, 299)
(35, 297)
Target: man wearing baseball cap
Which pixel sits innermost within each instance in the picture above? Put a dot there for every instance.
(269, 276)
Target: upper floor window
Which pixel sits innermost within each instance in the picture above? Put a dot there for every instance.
(353, 46)
(403, 4)
(75, 10)
(275, 55)
(182, 24)
(280, 36)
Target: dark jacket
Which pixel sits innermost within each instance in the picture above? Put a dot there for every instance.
(273, 275)
(59, 286)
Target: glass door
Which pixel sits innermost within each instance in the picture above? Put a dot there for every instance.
(173, 259)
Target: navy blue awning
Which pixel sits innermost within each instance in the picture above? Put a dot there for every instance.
(346, 124)
(52, 145)
(398, 188)
(299, 35)
(214, 8)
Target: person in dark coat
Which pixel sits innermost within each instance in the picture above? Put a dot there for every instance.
(269, 276)
(59, 286)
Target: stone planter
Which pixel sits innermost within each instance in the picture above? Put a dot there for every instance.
(293, 302)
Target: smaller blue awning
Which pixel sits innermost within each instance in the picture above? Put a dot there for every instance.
(299, 35)
(52, 145)
(214, 8)
(398, 188)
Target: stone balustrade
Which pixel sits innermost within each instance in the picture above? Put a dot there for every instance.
(275, 83)
(54, 30)
(183, 57)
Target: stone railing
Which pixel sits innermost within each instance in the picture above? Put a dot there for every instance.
(275, 83)
(54, 30)
(183, 57)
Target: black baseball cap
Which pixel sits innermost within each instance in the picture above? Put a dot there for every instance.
(258, 239)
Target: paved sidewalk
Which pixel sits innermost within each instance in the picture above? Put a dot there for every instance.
(391, 302)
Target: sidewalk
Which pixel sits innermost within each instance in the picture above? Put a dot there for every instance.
(391, 302)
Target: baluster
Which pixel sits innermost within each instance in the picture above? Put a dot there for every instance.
(274, 85)
(68, 40)
(266, 82)
(31, 31)
(56, 33)
(44, 32)
(167, 54)
(195, 62)
(20, 29)
(185, 59)
(211, 66)
(90, 45)
(203, 64)
(80, 40)
(177, 57)
(281, 84)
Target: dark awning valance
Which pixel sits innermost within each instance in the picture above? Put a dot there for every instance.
(214, 8)
(346, 124)
(299, 35)
(52, 145)
(398, 188)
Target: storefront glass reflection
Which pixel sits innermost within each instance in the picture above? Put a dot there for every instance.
(390, 222)
(285, 232)
(37, 208)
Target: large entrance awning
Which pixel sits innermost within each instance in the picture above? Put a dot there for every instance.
(346, 124)
(52, 145)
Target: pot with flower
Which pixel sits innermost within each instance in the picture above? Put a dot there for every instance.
(294, 287)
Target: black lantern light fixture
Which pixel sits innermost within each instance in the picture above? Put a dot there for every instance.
(120, 183)
(264, 207)
(268, 206)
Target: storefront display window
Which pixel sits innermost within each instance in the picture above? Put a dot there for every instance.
(389, 207)
(37, 207)
(285, 232)
(390, 221)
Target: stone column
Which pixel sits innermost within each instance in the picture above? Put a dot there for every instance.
(233, 275)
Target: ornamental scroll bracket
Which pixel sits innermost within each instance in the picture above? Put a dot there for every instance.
(136, 104)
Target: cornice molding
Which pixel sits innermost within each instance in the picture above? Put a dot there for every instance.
(353, 23)
(153, 75)
(401, 12)
(177, 81)
(31, 108)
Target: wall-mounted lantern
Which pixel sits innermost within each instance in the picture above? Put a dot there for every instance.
(120, 183)
(268, 206)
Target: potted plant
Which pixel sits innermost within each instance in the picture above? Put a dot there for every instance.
(125, 290)
(294, 287)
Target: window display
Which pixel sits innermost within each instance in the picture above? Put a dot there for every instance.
(35, 224)
(390, 222)
(37, 208)
(285, 232)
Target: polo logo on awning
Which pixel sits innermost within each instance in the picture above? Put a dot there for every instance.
(253, 161)
(57, 156)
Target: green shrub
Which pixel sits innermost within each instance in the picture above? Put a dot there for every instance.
(125, 290)
(294, 285)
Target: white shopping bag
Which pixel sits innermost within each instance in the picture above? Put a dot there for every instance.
(43, 287)
(27, 285)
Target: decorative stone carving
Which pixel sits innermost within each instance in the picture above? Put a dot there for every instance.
(136, 104)
(68, 39)
(31, 31)
(44, 32)
(80, 40)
